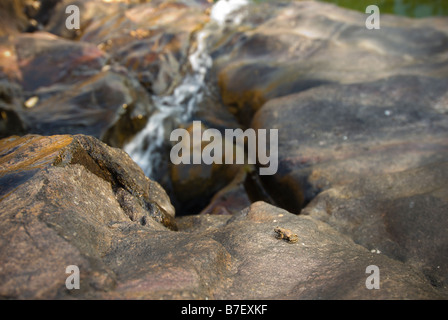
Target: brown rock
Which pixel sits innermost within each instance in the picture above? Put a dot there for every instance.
(41, 60)
(111, 106)
(11, 105)
(402, 215)
(280, 49)
(30, 156)
(67, 201)
(333, 134)
(152, 40)
(322, 264)
(12, 17)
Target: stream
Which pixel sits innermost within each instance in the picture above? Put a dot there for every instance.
(148, 146)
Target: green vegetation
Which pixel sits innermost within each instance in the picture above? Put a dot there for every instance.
(408, 8)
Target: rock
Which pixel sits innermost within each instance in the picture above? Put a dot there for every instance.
(35, 159)
(61, 198)
(336, 133)
(241, 258)
(152, 40)
(401, 215)
(111, 106)
(212, 257)
(362, 135)
(12, 17)
(10, 123)
(322, 264)
(11, 104)
(41, 11)
(69, 89)
(71, 200)
(90, 11)
(292, 47)
(42, 60)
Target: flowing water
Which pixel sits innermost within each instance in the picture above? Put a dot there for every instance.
(147, 147)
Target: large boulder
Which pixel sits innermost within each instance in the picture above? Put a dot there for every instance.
(62, 197)
(241, 257)
(280, 49)
(401, 215)
(335, 133)
(57, 86)
(29, 160)
(71, 200)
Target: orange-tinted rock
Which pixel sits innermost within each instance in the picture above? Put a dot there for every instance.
(152, 40)
(41, 60)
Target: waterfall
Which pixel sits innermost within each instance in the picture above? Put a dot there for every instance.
(172, 110)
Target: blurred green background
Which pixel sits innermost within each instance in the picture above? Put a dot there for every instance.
(409, 8)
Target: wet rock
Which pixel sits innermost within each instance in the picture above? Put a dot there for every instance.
(333, 134)
(10, 123)
(401, 215)
(111, 106)
(90, 11)
(305, 44)
(213, 113)
(66, 87)
(41, 60)
(152, 40)
(245, 188)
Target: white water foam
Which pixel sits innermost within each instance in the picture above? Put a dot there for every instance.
(172, 110)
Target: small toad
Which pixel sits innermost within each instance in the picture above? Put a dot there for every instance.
(286, 234)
